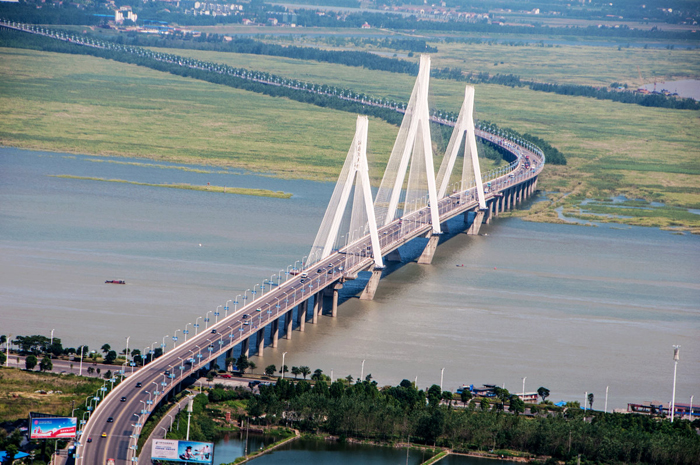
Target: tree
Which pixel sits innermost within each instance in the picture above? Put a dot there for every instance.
(465, 396)
(543, 392)
(106, 348)
(447, 395)
(516, 405)
(295, 372)
(368, 378)
(270, 370)
(46, 364)
(3, 358)
(108, 375)
(304, 370)
(110, 357)
(591, 398)
(318, 374)
(284, 369)
(90, 370)
(252, 366)
(242, 363)
(349, 379)
(30, 362)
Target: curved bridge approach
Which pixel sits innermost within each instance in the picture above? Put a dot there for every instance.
(411, 202)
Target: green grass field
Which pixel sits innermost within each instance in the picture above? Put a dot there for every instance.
(87, 105)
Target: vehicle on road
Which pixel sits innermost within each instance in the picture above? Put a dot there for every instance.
(225, 375)
(138, 385)
(123, 399)
(110, 461)
(104, 434)
(110, 420)
(319, 270)
(89, 440)
(213, 331)
(259, 309)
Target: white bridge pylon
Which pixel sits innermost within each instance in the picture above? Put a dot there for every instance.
(355, 173)
(464, 124)
(413, 144)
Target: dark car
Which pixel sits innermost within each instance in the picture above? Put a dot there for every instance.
(138, 385)
(89, 440)
(319, 270)
(167, 372)
(123, 399)
(213, 331)
(110, 420)
(246, 316)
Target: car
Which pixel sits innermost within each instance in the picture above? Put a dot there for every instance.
(123, 399)
(167, 372)
(89, 440)
(110, 461)
(110, 420)
(330, 271)
(340, 268)
(246, 316)
(213, 331)
(302, 281)
(258, 309)
(304, 275)
(138, 385)
(319, 270)
(225, 375)
(246, 323)
(330, 265)
(104, 435)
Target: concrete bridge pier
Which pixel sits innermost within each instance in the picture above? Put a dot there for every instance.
(301, 315)
(275, 327)
(245, 349)
(336, 288)
(478, 221)
(394, 256)
(288, 323)
(426, 257)
(318, 307)
(261, 341)
(229, 353)
(371, 287)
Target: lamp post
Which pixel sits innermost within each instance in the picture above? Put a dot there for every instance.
(676, 357)
(226, 308)
(51, 343)
(524, 387)
(442, 372)
(235, 303)
(82, 348)
(162, 344)
(175, 338)
(362, 373)
(206, 320)
(691, 408)
(196, 325)
(606, 399)
(185, 331)
(285, 353)
(216, 313)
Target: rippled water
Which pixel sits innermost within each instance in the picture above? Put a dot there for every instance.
(574, 309)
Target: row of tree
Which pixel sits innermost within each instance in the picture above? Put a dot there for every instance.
(364, 410)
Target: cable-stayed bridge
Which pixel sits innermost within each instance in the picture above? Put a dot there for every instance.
(358, 233)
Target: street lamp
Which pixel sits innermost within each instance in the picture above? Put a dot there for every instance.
(206, 320)
(524, 387)
(162, 344)
(442, 372)
(226, 308)
(196, 325)
(185, 331)
(362, 373)
(235, 303)
(51, 343)
(676, 357)
(82, 348)
(175, 338)
(216, 313)
(285, 353)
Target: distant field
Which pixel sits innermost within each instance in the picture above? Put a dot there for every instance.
(87, 105)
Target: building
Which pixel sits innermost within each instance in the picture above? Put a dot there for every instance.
(656, 407)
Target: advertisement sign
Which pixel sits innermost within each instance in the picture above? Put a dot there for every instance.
(182, 451)
(53, 428)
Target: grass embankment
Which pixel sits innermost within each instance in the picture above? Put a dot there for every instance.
(19, 396)
(87, 105)
(220, 189)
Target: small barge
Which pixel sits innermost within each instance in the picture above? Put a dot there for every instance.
(115, 281)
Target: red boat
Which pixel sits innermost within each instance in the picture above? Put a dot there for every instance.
(115, 281)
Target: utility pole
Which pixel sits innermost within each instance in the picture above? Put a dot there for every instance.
(676, 357)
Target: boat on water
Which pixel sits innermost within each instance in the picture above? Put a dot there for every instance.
(115, 281)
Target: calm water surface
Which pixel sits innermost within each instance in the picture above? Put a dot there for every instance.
(574, 309)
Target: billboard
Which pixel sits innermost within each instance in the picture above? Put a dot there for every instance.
(182, 451)
(53, 428)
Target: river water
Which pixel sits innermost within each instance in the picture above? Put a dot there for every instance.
(571, 308)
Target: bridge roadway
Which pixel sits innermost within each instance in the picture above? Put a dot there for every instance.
(269, 308)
